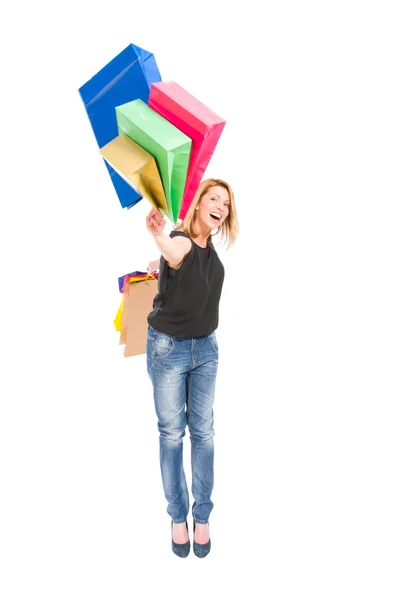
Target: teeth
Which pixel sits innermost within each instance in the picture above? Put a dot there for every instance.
(216, 216)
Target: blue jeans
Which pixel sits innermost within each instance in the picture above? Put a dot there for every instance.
(183, 374)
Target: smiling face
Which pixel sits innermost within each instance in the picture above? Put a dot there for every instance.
(213, 208)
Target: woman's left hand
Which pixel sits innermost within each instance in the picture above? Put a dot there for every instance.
(153, 266)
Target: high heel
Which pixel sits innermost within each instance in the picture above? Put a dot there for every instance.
(200, 550)
(181, 550)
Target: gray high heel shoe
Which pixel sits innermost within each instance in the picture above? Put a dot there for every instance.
(181, 550)
(200, 550)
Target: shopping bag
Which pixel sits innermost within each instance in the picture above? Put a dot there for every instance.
(134, 276)
(121, 280)
(194, 119)
(137, 304)
(167, 144)
(136, 166)
(127, 77)
(117, 321)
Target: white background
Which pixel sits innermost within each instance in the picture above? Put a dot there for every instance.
(306, 422)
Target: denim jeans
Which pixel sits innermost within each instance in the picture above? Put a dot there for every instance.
(183, 374)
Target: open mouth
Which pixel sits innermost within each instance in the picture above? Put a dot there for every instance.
(216, 218)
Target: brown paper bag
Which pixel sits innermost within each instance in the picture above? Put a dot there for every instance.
(138, 303)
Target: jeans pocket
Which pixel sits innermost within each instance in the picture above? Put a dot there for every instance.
(162, 345)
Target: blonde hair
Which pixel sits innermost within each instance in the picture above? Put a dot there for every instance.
(229, 228)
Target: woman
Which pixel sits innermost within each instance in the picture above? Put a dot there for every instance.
(182, 353)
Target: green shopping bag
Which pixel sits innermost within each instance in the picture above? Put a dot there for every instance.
(168, 145)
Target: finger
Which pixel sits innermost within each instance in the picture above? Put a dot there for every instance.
(155, 216)
(151, 218)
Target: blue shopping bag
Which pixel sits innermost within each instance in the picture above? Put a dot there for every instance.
(127, 77)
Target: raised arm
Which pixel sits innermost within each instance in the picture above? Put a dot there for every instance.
(173, 249)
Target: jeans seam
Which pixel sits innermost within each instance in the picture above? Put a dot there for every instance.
(201, 521)
(178, 522)
(214, 345)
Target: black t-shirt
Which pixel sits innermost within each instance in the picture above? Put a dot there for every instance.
(186, 305)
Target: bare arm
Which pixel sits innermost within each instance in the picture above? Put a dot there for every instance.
(173, 249)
